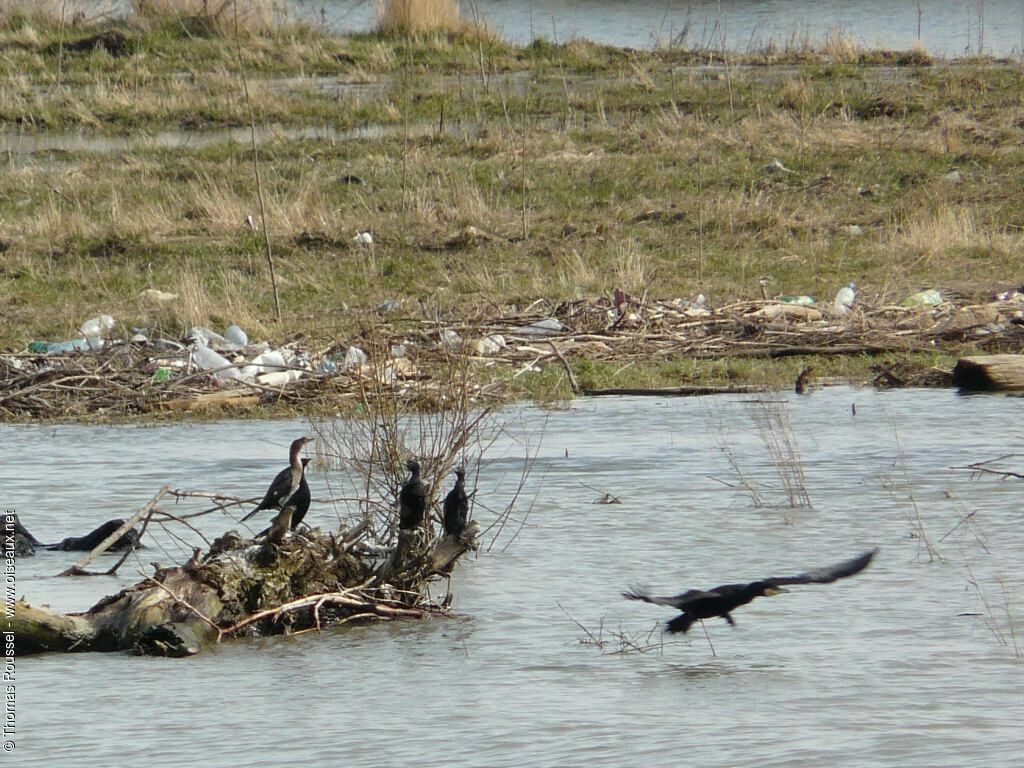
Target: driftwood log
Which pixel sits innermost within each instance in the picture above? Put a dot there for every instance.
(241, 587)
(990, 372)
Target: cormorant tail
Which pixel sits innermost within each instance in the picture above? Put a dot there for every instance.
(680, 623)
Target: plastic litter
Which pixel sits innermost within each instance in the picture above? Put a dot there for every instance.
(928, 298)
(354, 356)
(450, 339)
(236, 335)
(209, 338)
(97, 326)
(547, 327)
(156, 296)
(72, 345)
(490, 345)
(803, 300)
(210, 361)
(279, 378)
(775, 167)
(265, 362)
(845, 298)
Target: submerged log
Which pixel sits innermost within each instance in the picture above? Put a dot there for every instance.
(989, 372)
(240, 587)
(683, 391)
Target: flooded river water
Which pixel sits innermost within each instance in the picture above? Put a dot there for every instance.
(914, 662)
(944, 27)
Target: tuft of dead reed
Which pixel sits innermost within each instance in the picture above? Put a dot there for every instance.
(414, 18)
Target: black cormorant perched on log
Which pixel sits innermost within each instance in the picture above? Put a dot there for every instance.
(412, 499)
(721, 601)
(289, 487)
(456, 506)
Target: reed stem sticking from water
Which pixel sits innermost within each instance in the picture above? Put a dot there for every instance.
(914, 515)
(256, 170)
(776, 432)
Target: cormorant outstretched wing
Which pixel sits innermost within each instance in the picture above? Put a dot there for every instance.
(816, 576)
(676, 601)
(828, 574)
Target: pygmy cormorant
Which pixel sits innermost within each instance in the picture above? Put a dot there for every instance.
(721, 601)
(412, 499)
(456, 506)
(289, 487)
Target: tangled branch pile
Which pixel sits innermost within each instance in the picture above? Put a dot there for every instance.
(244, 588)
(408, 357)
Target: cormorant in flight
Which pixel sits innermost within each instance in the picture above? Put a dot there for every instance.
(412, 499)
(456, 506)
(289, 487)
(721, 601)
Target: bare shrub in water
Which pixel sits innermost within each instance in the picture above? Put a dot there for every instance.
(771, 417)
(918, 530)
(438, 421)
(418, 17)
(776, 432)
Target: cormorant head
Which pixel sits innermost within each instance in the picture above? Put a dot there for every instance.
(413, 466)
(297, 444)
(770, 590)
(460, 473)
(305, 461)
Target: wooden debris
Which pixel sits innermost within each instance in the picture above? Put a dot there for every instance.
(673, 391)
(122, 378)
(288, 583)
(989, 372)
(238, 398)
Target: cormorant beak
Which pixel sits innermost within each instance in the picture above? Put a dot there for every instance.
(772, 591)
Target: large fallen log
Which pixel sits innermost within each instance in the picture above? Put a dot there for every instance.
(241, 587)
(989, 372)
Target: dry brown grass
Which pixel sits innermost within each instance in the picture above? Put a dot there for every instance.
(51, 12)
(839, 47)
(199, 303)
(412, 18)
(939, 232)
(216, 16)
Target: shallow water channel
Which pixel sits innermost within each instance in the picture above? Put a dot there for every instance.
(914, 662)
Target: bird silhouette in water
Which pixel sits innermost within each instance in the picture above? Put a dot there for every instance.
(456, 506)
(697, 604)
(289, 486)
(412, 499)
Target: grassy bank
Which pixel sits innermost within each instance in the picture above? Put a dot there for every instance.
(489, 175)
